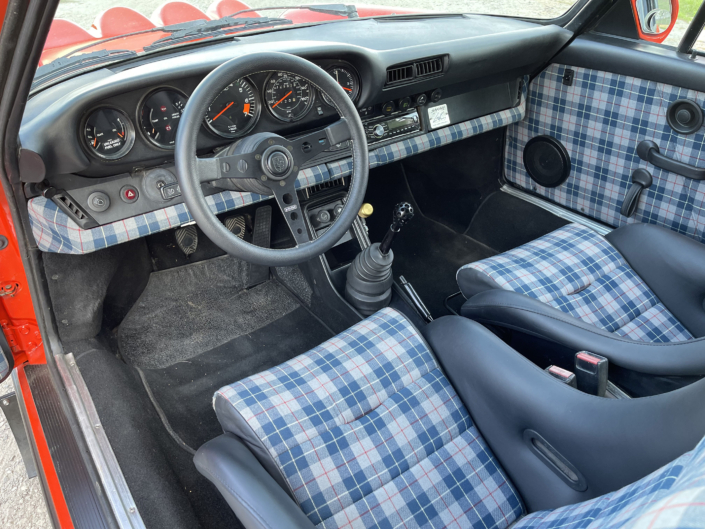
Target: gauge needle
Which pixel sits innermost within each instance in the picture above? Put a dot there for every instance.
(95, 142)
(121, 135)
(282, 99)
(348, 89)
(221, 112)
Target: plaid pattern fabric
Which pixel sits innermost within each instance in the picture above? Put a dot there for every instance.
(368, 432)
(578, 272)
(672, 497)
(54, 231)
(600, 119)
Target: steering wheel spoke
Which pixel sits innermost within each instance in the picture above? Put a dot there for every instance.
(310, 145)
(291, 209)
(234, 166)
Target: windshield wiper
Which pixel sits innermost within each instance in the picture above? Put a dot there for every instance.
(342, 10)
(64, 65)
(201, 29)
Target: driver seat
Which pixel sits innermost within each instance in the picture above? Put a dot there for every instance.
(381, 427)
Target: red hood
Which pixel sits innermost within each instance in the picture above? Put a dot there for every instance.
(65, 36)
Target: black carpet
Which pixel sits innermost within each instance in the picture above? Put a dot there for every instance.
(185, 390)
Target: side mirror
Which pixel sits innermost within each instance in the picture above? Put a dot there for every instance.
(655, 18)
(7, 363)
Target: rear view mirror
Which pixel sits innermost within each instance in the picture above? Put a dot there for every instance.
(655, 18)
(7, 363)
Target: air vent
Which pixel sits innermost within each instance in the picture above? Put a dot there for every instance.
(400, 74)
(408, 73)
(325, 185)
(429, 67)
(73, 208)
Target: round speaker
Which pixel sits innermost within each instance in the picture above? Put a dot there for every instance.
(684, 116)
(547, 161)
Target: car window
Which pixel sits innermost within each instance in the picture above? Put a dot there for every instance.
(686, 13)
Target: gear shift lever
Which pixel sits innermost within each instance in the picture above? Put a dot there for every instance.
(369, 278)
(403, 213)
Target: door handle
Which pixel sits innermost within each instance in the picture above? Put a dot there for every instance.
(649, 152)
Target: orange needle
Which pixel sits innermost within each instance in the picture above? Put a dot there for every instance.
(282, 99)
(221, 112)
(95, 141)
(348, 89)
(121, 135)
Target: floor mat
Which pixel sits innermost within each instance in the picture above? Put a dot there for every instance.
(185, 311)
(185, 390)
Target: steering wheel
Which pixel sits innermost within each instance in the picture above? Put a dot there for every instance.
(267, 162)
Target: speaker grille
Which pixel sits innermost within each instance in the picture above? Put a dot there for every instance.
(547, 161)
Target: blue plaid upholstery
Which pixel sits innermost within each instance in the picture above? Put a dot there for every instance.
(54, 231)
(600, 119)
(672, 497)
(578, 272)
(368, 432)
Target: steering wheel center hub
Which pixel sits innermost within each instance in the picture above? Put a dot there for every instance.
(277, 162)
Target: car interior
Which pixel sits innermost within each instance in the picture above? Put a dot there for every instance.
(419, 271)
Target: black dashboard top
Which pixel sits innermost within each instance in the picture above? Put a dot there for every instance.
(477, 52)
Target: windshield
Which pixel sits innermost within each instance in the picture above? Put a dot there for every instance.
(113, 30)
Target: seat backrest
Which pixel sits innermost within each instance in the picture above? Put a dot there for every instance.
(669, 498)
(366, 430)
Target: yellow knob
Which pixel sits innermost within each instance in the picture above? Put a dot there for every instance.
(366, 210)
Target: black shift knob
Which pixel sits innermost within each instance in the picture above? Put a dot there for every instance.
(403, 213)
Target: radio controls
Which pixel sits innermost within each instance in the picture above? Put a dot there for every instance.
(388, 107)
(436, 95)
(404, 103)
(421, 100)
(378, 131)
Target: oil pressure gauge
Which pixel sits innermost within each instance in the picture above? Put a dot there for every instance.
(108, 133)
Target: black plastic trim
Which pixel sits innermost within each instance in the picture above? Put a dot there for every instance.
(648, 151)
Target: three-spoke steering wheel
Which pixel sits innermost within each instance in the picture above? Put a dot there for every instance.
(270, 162)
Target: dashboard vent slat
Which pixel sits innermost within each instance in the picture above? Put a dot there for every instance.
(400, 74)
(73, 208)
(429, 67)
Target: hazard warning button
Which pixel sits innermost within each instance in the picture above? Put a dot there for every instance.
(129, 194)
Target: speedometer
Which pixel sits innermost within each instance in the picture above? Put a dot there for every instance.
(289, 97)
(235, 110)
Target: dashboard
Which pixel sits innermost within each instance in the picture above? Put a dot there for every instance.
(108, 132)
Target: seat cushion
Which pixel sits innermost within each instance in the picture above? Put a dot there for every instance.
(367, 431)
(579, 272)
(668, 498)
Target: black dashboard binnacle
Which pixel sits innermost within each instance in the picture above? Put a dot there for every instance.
(105, 140)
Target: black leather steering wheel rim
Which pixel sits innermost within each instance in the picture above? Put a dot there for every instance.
(188, 166)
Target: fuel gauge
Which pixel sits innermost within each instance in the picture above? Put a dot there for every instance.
(108, 133)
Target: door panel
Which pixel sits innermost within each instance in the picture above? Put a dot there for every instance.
(600, 118)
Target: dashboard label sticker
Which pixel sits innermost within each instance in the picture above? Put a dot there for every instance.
(438, 116)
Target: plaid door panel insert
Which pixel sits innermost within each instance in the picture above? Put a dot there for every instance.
(600, 119)
(577, 271)
(54, 230)
(672, 497)
(368, 432)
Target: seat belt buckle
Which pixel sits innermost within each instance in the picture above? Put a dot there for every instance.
(591, 373)
(565, 376)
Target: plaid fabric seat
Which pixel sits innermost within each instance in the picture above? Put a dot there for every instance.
(579, 272)
(671, 497)
(368, 432)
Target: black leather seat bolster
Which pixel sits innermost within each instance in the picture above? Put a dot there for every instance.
(255, 497)
(234, 423)
(472, 282)
(672, 264)
(509, 309)
(611, 442)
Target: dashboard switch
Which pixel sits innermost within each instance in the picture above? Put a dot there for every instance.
(436, 95)
(421, 100)
(98, 201)
(389, 107)
(405, 104)
(129, 194)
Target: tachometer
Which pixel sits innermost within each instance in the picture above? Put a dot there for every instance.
(160, 115)
(288, 96)
(346, 79)
(235, 110)
(109, 133)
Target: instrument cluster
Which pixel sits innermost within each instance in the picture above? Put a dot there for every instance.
(109, 133)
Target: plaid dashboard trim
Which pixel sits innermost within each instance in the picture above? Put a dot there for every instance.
(368, 431)
(578, 272)
(672, 497)
(600, 119)
(54, 231)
